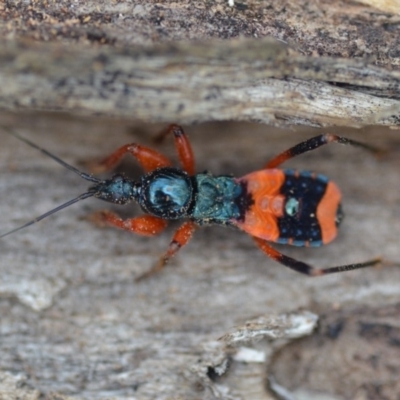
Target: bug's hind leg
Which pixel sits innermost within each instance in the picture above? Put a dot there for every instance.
(180, 239)
(183, 146)
(146, 225)
(314, 143)
(307, 269)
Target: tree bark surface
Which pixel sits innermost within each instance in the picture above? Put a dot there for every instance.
(74, 322)
(328, 64)
(220, 321)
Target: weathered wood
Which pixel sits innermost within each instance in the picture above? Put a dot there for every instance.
(361, 345)
(198, 82)
(323, 28)
(74, 322)
(329, 77)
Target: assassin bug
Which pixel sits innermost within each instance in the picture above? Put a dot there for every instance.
(291, 207)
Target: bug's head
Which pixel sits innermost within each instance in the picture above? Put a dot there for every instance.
(117, 190)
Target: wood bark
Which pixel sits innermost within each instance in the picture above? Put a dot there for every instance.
(74, 322)
(218, 323)
(332, 64)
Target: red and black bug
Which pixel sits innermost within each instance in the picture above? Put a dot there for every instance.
(291, 207)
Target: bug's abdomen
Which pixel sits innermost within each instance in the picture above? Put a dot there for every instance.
(291, 207)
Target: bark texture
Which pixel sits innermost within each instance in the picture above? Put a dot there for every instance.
(220, 321)
(74, 322)
(333, 64)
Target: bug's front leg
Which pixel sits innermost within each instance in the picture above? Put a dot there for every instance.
(183, 146)
(180, 239)
(307, 269)
(146, 225)
(148, 158)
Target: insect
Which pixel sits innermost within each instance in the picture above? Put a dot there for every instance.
(272, 205)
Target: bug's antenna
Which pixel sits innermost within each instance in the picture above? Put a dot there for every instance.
(83, 175)
(54, 210)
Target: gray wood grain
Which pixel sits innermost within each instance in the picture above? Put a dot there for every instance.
(292, 62)
(74, 322)
(239, 80)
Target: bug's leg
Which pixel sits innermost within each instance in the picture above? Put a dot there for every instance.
(307, 269)
(183, 146)
(180, 239)
(148, 158)
(314, 143)
(146, 225)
